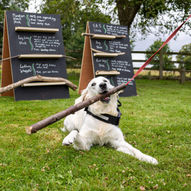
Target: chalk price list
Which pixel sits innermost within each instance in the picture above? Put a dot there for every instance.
(38, 69)
(32, 19)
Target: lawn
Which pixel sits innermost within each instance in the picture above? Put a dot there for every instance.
(157, 121)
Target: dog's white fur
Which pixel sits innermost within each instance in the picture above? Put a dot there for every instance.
(85, 130)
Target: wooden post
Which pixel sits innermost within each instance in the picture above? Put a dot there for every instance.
(6, 75)
(149, 75)
(182, 74)
(161, 64)
(87, 70)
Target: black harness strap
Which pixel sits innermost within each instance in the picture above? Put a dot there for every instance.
(119, 104)
(106, 117)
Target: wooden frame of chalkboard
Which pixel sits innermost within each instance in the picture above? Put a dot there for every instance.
(34, 44)
(107, 53)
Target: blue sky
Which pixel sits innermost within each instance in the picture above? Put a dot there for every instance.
(175, 45)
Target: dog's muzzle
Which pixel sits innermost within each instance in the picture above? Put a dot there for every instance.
(103, 87)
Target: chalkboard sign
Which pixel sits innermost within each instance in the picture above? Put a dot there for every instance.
(107, 53)
(35, 43)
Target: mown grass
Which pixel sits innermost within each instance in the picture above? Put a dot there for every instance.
(157, 121)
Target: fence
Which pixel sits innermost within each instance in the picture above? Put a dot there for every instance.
(181, 69)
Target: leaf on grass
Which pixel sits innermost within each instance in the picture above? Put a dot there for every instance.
(142, 188)
(155, 187)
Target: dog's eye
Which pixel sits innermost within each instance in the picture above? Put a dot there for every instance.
(104, 80)
(93, 84)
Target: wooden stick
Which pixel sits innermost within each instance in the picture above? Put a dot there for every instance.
(97, 51)
(8, 58)
(109, 73)
(37, 78)
(71, 110)
(29, 56)
(43, 84)
(26, 56)
(103, 36)
(35, 29)
(108, 54)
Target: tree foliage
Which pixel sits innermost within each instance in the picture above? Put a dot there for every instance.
(74, 16)
(185, 58)
(17, 5)
(167, 58)
(141, 16)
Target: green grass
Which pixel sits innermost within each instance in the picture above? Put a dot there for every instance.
(157, 121)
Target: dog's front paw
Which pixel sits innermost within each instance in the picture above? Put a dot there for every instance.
(70, 138)
(154, 161)
(151, 160)
(67, 141)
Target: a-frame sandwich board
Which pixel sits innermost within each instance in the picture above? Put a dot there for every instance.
(107, 53)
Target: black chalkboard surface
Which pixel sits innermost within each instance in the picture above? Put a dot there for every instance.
(121, 64)
(28, 33)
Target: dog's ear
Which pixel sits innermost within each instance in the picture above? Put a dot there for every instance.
(82, 97)
(120, 92)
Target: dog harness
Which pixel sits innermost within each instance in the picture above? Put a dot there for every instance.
(106, 117)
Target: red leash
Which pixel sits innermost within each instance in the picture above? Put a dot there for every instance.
(148, 61)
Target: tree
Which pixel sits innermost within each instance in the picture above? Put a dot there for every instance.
(74, 16)
(167, 58)
(185, 58)
(145, 14)
(18, 5)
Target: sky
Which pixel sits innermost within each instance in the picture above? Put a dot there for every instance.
(175, 45)
(33, 4)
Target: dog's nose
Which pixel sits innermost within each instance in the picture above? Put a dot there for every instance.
(102, 86)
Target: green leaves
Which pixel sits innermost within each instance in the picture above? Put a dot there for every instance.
(17, 5)
(166, 58)
(74, 16)
(141, 16)
(185, 58)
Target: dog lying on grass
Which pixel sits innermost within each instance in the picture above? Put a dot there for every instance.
(98, 124)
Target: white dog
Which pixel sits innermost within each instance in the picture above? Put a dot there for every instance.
(98, 124)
